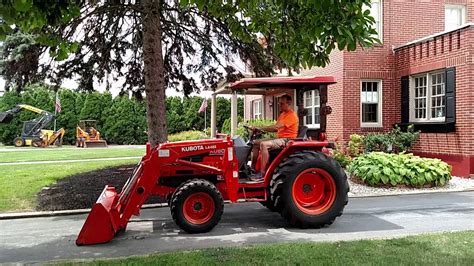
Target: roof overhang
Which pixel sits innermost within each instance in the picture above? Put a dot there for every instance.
(262, 86)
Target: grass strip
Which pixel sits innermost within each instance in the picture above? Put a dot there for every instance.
(20, 184)
(434, 249)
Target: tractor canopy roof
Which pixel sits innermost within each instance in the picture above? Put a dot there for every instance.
(262, 86)
(286, 82)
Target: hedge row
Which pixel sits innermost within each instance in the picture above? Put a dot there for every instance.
(120, 120)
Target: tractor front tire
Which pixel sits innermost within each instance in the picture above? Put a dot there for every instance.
(18, 142)
(309, 189)
(197, 206)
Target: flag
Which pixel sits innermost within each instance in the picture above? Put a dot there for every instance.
(203, 106)
(57, 105)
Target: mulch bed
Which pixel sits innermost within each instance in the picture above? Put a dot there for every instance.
(82, 190)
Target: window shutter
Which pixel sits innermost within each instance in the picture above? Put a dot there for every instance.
(450, 79)
(405, 88)
(251, 109)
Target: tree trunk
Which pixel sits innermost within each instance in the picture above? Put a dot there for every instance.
(154, 78)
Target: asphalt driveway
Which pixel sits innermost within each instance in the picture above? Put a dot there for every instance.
(53, 238)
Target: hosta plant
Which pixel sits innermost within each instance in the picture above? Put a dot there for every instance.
(379, 169)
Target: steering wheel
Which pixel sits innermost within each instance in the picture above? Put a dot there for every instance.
(254, 133)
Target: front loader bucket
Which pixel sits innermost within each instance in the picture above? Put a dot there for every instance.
(103, 221)
(95, 144)
(5, 117)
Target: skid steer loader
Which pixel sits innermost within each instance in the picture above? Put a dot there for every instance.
(306, 186)
(33, 132)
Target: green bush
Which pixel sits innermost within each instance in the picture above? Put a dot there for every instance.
(403, 141)
(343, 159)
(394, 141)
(378, 168)
(120, 120)
(378, 142)
(187, 135)
(125, 122)
(355, 145)
(243, 132)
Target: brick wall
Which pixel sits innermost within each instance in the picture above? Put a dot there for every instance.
(403, 22)
(334, 126)
(248, 105)
(455, 49)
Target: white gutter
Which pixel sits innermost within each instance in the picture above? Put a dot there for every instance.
(431, 37)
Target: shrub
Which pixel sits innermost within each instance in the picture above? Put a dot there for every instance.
(377, 142)
(355, 145)
(187, 135)
(394, 141)
(243, 132)
(378, 168)
(341, 157)
(403, 141)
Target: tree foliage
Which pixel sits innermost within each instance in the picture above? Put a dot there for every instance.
(121, 120)
(199, 40)
(19, 61)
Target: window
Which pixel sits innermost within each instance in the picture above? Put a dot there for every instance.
(311, 105)
(454, 16)
(427, 98)
(371, 104)
(257, 109)
(376, 13)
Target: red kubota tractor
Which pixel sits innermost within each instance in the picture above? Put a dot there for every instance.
(306, 186)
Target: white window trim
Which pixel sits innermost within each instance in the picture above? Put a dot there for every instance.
(313, 107)
(428, 118)
(380, 102)
(455, 6)
(254, 113)
(380, 32)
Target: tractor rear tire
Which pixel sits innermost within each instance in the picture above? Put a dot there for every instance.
(269, 204)
(309, 189)
(197, 206)
(18, 142)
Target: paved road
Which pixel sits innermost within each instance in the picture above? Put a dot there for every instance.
(52, 238)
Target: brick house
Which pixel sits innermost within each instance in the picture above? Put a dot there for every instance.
(421, 74)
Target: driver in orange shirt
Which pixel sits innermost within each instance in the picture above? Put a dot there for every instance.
(286, 128)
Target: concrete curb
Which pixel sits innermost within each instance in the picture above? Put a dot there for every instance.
(25, 215)
(409, 193)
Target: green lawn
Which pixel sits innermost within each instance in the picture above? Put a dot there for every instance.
(19, 184)
(436, 249)
(49, 154)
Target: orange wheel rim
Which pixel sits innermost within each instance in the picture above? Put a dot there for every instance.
(198, 208)
(314, 191)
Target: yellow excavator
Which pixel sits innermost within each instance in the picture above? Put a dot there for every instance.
(87, 135)
(33, 132)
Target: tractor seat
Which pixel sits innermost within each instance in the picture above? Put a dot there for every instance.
(302, 134)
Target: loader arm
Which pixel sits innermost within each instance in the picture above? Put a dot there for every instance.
(41, 122)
